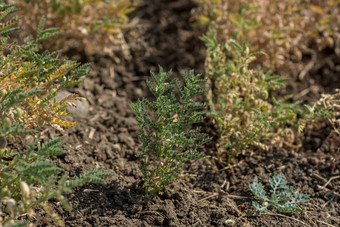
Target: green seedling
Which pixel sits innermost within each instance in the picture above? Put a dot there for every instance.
(166, 128)
(282, 196)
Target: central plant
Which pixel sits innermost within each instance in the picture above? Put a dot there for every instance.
(169, 140)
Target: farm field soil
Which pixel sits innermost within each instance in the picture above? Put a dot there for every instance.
(208, 194)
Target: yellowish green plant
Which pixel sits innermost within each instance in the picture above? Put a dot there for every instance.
(29, 81)
(241, 105)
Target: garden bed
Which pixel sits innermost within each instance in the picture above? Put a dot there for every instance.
(208, 194)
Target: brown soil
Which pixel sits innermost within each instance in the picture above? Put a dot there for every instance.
(210, 195)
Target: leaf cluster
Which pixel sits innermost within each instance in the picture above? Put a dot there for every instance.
(282, 196)
(166, 127)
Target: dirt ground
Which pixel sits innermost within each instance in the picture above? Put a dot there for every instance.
(210, 195)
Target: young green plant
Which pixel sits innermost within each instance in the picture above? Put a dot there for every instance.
(282, 196)
(166, 128)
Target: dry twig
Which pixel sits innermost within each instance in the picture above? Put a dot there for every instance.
(330, 179)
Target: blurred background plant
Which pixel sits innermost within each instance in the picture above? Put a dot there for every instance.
(283, 29)
(90, 25)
